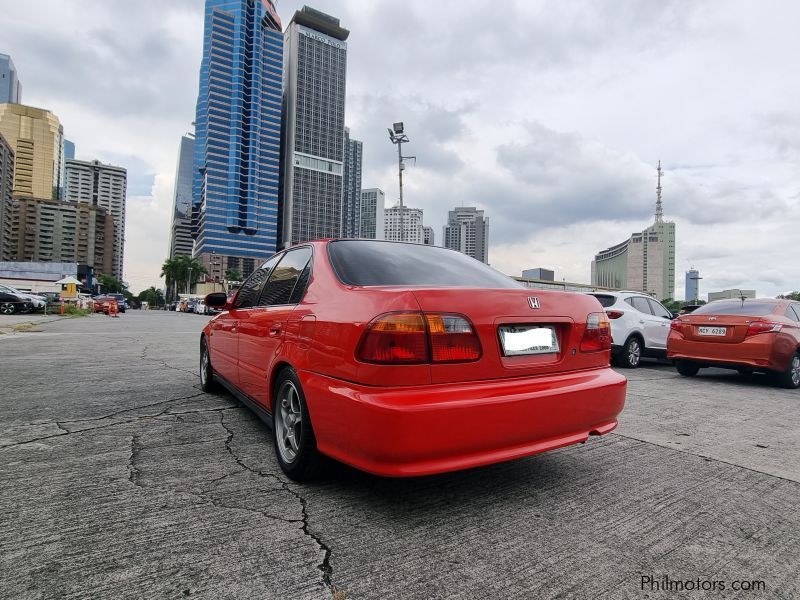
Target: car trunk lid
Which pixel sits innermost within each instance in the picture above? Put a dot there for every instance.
(500, 314)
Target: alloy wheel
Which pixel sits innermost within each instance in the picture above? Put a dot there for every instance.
(289, 422)
(634, 352)
(795, 370)
(204, 364)
(6, 308)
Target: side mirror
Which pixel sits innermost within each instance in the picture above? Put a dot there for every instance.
(217, 300)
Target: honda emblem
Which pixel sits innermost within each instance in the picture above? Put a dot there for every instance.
(533, 301)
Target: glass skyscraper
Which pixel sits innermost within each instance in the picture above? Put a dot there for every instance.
(315, 67)
(238, 132)
(351, 201)
(180, 243)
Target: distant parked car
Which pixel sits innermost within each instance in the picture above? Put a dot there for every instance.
(747, 335)
(102, 304)
(11, 303)
(182, 305)
(639, 326)
(200, 308)
(37, 302)
(191, 305)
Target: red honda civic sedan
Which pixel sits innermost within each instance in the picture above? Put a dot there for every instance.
(747, 335)
(402, 359)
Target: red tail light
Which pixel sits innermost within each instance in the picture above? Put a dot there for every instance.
(757, 327)
(597, 335)
(614, 314)
(414, 338)
(452, 339)
(395, 338)
(677, 326)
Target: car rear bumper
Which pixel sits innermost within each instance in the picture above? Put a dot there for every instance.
(756, 352)
(420, 430)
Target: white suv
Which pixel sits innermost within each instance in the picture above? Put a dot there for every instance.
(639, 326)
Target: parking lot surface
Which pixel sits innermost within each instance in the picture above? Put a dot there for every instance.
(119, 478)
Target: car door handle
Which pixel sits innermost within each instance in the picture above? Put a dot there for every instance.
(275, 331)
(641, 322)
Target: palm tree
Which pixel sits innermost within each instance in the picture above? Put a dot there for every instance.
(182, 272)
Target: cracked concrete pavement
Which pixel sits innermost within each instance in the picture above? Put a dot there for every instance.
(120, 478)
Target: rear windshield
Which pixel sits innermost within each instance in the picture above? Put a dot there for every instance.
(367, 262)
(751, 308)
(605, 300)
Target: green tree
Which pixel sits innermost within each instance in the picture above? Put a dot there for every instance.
(152, 296)
(790, 296)
(181, 273)
(110, 285)
(233, 275)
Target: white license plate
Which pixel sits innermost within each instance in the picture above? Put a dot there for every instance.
(519, 340)
(718, 331)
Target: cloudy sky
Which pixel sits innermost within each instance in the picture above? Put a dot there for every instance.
(550, 116)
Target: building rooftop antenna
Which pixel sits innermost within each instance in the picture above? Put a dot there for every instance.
(659, 207)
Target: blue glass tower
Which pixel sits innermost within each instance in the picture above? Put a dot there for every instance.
(238, 133)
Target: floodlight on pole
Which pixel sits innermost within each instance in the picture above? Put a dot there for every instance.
(398, 138)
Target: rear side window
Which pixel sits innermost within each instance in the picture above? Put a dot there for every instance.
(605, 300)
(285, 277)
(658, 309)
(251, 288)
(752, 308)
(793, 312)
(367, 262)
(639, 303)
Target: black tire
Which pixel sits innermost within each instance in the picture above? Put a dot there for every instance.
(687, 368)
(207, 382)
(790, 378)
(292, 434)
(7, 308)
(631, 354)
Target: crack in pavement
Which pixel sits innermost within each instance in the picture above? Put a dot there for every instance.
(325, 566)
(163, 363)
(65, 431)
(133, 470)
(703, 456)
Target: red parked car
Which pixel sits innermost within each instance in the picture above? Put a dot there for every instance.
(747, 335)
(402, 359)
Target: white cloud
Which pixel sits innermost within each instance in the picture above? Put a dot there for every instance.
(549, 116)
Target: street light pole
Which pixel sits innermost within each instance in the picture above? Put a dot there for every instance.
(189, 287)
(398, 138)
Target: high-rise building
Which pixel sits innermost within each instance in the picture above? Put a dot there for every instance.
(539, 273)
(6, 185)
(732, 294)
(69, 150)
(46, 230)
(371, 214)
(238, 132)
(37, 138)
(692, 286)
(180, 239)
(315, 65)
(467, 231)
(103, 186)
(428, 237)
(10, 87)
(351, 186)
(645, 262)
(412, 225)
